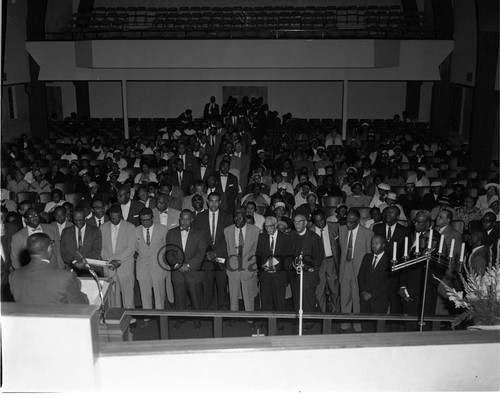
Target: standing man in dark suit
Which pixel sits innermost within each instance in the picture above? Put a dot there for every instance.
(186, 247)
(205, 168)
(241, 161)
(431, 198)
(274, 256)
(307, 244)
(227, 185)
(374, 282)
(211, 110)
(330, 266)
(82, 237)
(130, 208)
(489, 225)
(99, 216)
(393, 232)
(42, 282)
(61, 222)
(190, 162)
(213, 142)
(180, 177)
(7, 231)
(213, 222)
(355, 242)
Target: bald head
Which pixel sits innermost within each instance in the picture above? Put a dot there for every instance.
(38, 245)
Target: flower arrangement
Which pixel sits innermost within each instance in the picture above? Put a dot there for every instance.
(480, 296)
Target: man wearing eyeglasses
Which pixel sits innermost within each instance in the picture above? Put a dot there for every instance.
(40, 282)
(99, 216)
(274, 257)
(151, 270)
(19, 254)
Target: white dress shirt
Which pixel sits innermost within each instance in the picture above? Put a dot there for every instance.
(326, 240)
(210, 222)
(36, 230)
(126, 209)
(164, 217)
(223, 182)
(144, 233)
(184, 238)
(237, 234)
(377, 259)
(114, 235)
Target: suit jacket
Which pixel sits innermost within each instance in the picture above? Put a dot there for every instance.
(19, 256)
(398, 235)
(428, 201)
(230, 195)
(201, 222)
(89, 198)
(479, 260)
(54, 225)
(91, 248)
(148, 255)
(375, 281)
(172, 217)
(243, 165)
(125, 247)
(41, 283)
(191, 163)
(193, 254)
(449, 234)
(283, 252)
(333, 235)
(212, 149)
(133, 214)
(208, 113)
(361, 247)
(248, 266)
(208, 171)
(187, 180)
(92, 221)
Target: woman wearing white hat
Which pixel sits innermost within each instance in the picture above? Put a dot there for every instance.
(483, 201)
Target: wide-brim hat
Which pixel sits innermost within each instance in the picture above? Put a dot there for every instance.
(492, 184)
(357, 183)
(351, 169)
(391, 195)
(384, 187)
(436, 184)
(279, 204)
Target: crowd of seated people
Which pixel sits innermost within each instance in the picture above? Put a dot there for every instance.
(359, 197)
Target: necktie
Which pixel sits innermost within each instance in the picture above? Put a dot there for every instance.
(113, 237)
(241, 242)
(349, 247)
(99, 221)
(213, 140)
(374, 261)
(180, 177)
(213, 228)
(79, 239)
(272, 245)
(148, 238)
(389, 234)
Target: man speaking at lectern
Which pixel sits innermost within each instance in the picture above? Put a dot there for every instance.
(41, 282)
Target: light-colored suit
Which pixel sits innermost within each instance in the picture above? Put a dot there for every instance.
(56, 228)
(172, 217)
(151, 269)
(19, 255)
(242, 272)
(349, 288)
(124, 252)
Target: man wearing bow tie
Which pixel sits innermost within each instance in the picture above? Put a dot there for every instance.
(227, 185)
(19, 254)
(80, 237)
(164, 214)
(205, 168)
(186, 246)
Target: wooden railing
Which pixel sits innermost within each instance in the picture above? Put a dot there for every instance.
(165, 316)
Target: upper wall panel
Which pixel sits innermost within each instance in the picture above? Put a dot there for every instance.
(241, 60)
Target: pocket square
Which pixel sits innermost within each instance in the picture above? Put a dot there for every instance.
(231, 185)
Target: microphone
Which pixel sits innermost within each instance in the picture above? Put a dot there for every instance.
(102, 311)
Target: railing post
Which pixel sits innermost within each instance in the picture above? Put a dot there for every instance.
(164, 333)
(380, 325)
(217, 326)
(327, 326)
(271, 326)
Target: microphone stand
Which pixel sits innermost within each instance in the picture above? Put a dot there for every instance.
(102, 310)
(299, 266)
